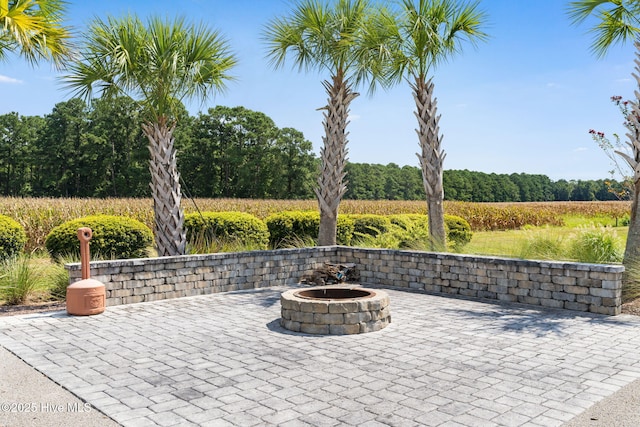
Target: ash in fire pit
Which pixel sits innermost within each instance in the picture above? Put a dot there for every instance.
(335, 310)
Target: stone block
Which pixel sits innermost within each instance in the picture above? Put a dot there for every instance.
(577, 306)
(529, 300)
(133, 299)
(611, 284)
(380, 314)
(312, 328)
(612, 302)
(143, 290)
(328, 318)
(577, 290)
(551, 303)
(344, 329)
(604, 293)
(518, 276)
(589, 299)
(290, 325)
(301, 317)
(345, 307)
(144, 275)
(289, 304)
(563, 280)
(539, 293)
(563, 296)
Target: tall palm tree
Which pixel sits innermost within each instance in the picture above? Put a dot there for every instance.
(160, 65)
(427, 33)
(34, 30)
(619, 22)
(340, 38)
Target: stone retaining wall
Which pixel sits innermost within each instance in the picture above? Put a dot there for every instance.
(573, 286)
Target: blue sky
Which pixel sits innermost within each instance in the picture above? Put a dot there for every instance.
(523, 101)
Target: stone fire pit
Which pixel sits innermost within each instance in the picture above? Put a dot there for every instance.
(334, 310)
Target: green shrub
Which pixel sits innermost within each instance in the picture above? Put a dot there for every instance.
(12, 237)
(20, 278)
(545, 246)
(411, 230)
(458, 231)
(631, 281)
(410, 221)
(114, 237)
(369, 224)
(288, 227)
(220, 229)
(596, 245)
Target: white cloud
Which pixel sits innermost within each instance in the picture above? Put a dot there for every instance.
(9, 80)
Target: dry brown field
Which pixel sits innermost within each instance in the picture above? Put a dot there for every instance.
(39, 215)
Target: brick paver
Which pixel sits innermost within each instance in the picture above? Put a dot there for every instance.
(223, 359)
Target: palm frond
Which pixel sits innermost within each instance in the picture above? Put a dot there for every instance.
(618, 21)
(34, 29)
(160, 63)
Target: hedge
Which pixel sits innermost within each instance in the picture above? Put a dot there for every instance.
(12, 237)
(239, 227)
(114, 237)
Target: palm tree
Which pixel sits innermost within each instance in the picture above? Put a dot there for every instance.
(427, 33)
(160, 65)
(618, 22)
(34, 30)
(342, 39)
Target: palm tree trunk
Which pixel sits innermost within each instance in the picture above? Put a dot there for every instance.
(632, 249)
(431, 159)
(331, 184)
(165, 188)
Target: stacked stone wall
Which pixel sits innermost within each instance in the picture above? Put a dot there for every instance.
(573, 286)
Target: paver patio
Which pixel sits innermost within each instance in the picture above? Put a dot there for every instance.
(223, 359)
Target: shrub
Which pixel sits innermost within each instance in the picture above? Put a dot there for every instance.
(596, 245)
(20, 278)
(12, 237)
(411, 230)
(113, 237)
(288, 227)
(631, 281)
(370, 224)
(458, 231)
(545, 246)
(220, 229)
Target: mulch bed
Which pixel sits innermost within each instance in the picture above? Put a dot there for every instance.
(12, 310)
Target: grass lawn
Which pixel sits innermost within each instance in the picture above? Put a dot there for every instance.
(516, 243)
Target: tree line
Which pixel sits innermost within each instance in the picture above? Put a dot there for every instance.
(392, 182)
(99, 150)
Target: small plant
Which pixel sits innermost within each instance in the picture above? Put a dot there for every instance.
(57, 277)
(596, 245)
(631, 282)
(458, 232)
(538, 246)
(12, 237)
(370, 224)
(20, 278)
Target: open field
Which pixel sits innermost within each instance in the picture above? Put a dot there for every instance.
(519, 230)
(39, 215)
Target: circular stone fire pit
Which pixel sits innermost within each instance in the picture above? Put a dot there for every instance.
(334, 310)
